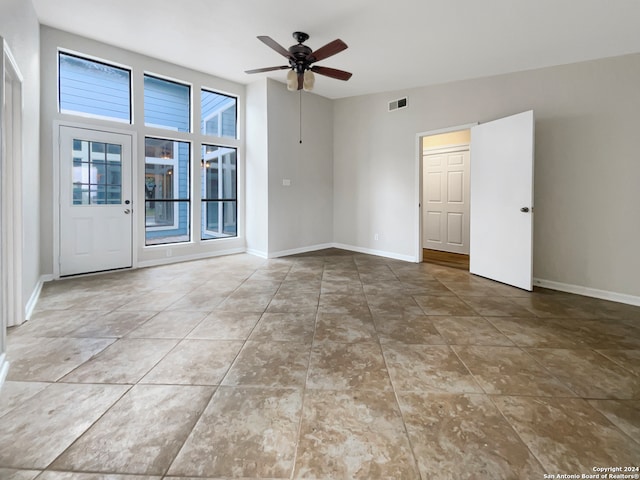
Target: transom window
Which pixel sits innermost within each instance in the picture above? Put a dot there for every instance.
(219, 116)
(92, 88)
(167, 104)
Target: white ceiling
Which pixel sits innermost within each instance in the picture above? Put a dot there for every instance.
(393, 44)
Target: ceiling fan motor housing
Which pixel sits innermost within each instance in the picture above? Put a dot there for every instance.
(299, 53)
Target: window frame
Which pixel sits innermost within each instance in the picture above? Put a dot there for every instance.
(205, 200)
(91, 58)
(176, 186)
(173, 162)
(164, 78)
(218, 113)
(91, 164)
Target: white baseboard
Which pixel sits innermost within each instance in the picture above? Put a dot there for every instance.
(188, 258)
(295, 251)
(587, 291)
(257, 253)
(379, 253)
(4, 368)
(35, 295)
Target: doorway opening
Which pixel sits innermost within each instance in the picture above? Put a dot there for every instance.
(446, 259)
(444, 176)
(500, 199)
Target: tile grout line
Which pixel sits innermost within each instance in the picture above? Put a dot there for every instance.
(489, 397)
(306, 379)
(216, 387)
(78, 437)
(416, 464)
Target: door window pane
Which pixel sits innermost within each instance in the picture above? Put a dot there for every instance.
(114, 194)
(219, 192)
(93, 88)
(114, 175)
(91, 174)
(166, 185)
(167, 104)
(219, 117)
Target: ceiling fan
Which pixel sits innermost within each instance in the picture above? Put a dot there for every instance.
(301, 61)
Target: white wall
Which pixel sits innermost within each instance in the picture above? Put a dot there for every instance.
(374, 177)
(20, 29)
(300, 215)
(257, 162)
(51, 40)
(586, 173)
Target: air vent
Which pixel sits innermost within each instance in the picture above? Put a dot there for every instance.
(398, 104)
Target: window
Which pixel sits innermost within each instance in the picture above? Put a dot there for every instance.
(101, 90)
(166, 187)
(219, 117)
(92, 88)
(167, 104)
(219, 192)
(97, 173)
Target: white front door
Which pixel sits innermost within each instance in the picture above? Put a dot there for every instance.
(446, 199)
(501, 243)
(95, 201)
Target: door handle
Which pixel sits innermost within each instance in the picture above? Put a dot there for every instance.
(524, 209)
(127, 211)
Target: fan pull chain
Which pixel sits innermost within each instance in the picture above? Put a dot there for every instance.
(300, 115)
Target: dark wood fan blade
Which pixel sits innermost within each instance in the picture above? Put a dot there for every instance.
(300, 81)
(267, 69)
(332, 72)
(329, 49)
(270, 42)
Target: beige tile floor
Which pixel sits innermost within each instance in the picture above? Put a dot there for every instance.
(330, 365)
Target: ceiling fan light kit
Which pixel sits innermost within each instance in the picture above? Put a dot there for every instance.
(301, 61)
(309, 80)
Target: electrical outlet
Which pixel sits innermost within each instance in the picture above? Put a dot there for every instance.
(376, 237)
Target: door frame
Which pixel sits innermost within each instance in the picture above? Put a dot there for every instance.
(57, 125)
(12, 308)
(11, 150)
(418, 190)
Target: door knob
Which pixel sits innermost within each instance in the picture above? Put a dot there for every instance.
(524, 209)
(126, 210)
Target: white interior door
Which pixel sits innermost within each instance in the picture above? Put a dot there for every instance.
(446, 199)
(501, 242)
(95, 201)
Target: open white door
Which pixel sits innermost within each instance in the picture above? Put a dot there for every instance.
(501, 230)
